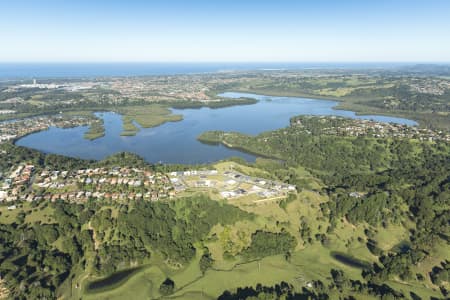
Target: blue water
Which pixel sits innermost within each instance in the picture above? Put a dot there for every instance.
(175, 142)
(77, 70)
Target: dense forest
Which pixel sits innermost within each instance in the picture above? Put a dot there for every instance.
(90, 234)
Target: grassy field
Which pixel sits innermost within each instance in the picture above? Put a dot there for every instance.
(251, 171)
(8, 216)
(391, 236)
(268, 271)
(309, 264)
(32, 214)
(191, 284)
(142, 284)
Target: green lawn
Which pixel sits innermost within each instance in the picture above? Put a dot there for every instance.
(32, 214)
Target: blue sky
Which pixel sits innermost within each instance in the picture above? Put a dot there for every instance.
(277, 30)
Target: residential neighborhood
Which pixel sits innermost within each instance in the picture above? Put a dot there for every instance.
(332, 125)
(14, 129)
(121, 184)
(118, 184)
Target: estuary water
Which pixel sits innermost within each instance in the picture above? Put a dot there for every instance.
(176, 142)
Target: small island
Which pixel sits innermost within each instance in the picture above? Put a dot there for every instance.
(96, 130)
(145, 116)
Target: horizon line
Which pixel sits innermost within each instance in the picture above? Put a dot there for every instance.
(225, 62)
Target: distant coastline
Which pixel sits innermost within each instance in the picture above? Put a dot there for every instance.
(28, 70)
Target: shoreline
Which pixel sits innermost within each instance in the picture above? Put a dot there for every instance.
(339, 106)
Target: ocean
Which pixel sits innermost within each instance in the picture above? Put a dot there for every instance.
(88, 70)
